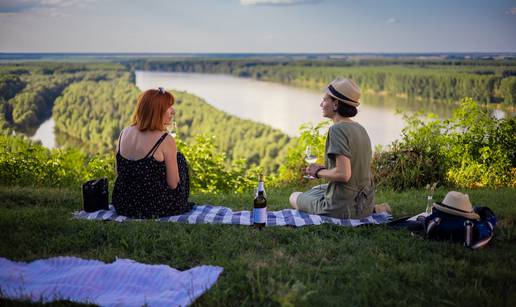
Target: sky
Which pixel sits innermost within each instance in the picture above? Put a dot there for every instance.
(258, 26)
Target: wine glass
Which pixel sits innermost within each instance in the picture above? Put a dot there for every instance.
(310, 158)
(173, 130)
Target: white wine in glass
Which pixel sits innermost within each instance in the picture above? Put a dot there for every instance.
(310, 158)
(173, 131)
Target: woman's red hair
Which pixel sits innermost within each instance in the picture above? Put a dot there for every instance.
(150, 110)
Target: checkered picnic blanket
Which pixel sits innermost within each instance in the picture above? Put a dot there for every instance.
(208, 214)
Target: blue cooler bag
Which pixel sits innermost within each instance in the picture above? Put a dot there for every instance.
(472, 233)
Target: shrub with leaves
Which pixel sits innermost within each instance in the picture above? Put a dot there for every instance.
(415, 160)
(209, 171)
(26, 163)
(482, 150)
(471, 149)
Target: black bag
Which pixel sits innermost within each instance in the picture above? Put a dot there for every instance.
(95, 195)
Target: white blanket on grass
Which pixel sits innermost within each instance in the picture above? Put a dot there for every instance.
(122, 283)
(208, 214)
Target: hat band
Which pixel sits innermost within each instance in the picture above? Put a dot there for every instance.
(456, 209)
(339, 95)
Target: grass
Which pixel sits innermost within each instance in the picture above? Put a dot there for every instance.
(314, 265)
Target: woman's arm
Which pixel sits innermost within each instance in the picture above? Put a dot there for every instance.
(116, 166)
(340, 173)
(170, 153)
(117, 149)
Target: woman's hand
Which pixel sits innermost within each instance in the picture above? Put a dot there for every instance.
(312, 169)
(340, 173)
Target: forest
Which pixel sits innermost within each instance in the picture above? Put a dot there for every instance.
(28, 90)
(92, 102)
(95, 113)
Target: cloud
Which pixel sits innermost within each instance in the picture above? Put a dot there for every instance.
(21, 6)
(58, 14)
(392, 20)
(278, 2)
(14, 6)
(511, 11)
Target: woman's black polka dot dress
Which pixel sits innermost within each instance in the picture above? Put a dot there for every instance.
(141, 189)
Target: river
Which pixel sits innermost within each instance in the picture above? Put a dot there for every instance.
(280, 106)
(45, 134)
(286, 107)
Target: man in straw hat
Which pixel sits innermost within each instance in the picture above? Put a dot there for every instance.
(349, 192)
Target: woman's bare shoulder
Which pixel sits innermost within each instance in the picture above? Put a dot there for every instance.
(130, 130)
(169, 142)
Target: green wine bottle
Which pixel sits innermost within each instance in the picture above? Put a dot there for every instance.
(260, 206)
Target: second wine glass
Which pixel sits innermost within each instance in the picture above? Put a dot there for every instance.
(173, 131)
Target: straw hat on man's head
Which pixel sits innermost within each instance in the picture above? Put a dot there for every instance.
(457, 203)
(345, 90)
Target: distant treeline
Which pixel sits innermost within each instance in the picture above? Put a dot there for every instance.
(449, 80)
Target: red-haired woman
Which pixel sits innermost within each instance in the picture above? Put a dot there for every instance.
(152, 176)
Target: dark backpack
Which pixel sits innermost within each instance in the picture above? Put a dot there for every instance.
(472, 233)
(95, 195)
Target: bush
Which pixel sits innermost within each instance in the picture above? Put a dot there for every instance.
(26, 163)
(482, 149)
(471, 149)
(415, 160)
(209, 172)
